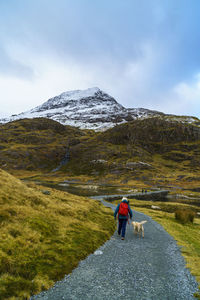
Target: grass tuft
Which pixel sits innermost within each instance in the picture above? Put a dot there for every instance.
(184, 215)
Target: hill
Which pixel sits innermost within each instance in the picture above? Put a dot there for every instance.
(36, 143)
(149, 150)
(141, 149)
(44, 234)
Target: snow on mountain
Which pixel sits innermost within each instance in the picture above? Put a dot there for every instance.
(87, 109)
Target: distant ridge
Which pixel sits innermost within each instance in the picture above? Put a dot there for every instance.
(89, 109)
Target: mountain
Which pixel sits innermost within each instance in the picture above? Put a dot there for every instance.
(87, 109)
(151, 146)
(153, 150)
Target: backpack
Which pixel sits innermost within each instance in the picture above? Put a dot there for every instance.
(123, 209)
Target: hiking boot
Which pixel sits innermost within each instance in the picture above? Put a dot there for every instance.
(122, 238)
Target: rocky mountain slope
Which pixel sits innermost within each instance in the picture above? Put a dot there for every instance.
(88, 109)
(150, 146)
(145, 150)
(35, 143)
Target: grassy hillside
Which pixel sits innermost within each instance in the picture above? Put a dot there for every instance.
(150, 150)
(44, 235)
(154, 151)
(32, 144)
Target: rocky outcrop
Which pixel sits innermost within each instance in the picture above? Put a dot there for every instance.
(151, 131)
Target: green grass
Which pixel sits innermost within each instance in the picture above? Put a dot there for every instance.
(43, 237)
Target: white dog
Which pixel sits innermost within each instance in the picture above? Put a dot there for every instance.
(138, 227)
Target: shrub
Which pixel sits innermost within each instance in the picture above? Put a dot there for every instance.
(184, 215)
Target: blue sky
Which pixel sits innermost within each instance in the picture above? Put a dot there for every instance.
(144, 53)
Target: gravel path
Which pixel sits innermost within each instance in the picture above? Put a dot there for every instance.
(134, 269)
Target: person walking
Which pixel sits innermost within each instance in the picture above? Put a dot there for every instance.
(123, 210)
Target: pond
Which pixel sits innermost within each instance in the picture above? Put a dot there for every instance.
(88, 190)
(114, 192)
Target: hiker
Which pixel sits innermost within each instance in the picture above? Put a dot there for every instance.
(123, 210)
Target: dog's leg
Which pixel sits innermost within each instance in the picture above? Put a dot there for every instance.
(134, 229)
(142, 231)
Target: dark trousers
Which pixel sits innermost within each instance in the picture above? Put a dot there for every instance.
(122, 226)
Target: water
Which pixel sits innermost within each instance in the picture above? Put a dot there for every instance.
(113, 192)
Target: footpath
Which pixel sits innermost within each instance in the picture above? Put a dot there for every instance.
(134, 269)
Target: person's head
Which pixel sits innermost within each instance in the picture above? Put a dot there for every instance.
(124, 199)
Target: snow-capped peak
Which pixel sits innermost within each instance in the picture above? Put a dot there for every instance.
(73, 98)
(91, 109)
(79, 94)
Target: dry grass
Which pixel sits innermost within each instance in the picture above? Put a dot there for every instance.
(184, 215)
(43, 237)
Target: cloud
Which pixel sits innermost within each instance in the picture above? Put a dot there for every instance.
(14, 68)
(131, 85)
(184, 98)
(52, 78)
(145, 53)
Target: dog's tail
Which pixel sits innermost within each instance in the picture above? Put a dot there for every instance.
(143, 222)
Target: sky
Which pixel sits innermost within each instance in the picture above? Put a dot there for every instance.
(144, 53)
